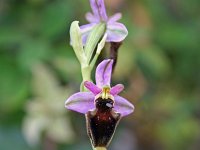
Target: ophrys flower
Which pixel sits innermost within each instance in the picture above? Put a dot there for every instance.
(116, 32)
(101, 104)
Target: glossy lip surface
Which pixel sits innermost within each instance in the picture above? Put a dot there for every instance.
(102, 122)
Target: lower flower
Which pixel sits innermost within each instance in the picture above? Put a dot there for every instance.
(102, 106)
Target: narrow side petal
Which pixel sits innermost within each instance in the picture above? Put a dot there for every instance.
(102, 10)
(117, 32)
(92, 87)
(123, 106)
(115, 18)
(80, 102)
(95, 9)
(85, 31)
(91, 18)
(103, 73)
(115, 90)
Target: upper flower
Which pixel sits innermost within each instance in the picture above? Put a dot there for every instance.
(84, 102)
(116, 32)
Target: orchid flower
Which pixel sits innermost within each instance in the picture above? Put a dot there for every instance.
(101, 104)
(116, 32)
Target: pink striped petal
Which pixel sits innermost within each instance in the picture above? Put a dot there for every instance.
(92, 87)
(103, 73)
(80, 102)
(115, 90)
(117, 32)
(123, 106)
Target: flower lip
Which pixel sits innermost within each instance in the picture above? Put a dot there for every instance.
(105, 104)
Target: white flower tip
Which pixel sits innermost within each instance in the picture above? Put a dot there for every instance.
(101, 44)
(75, 22)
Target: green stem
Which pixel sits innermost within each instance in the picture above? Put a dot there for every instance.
(86, 75)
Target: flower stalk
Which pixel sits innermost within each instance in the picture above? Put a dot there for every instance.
(100, 103)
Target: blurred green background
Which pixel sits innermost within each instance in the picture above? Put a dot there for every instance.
(159, 63)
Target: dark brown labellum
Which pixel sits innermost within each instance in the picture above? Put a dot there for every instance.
(102, 122)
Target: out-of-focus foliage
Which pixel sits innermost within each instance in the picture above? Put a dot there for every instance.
(159, 63)
(45, 113)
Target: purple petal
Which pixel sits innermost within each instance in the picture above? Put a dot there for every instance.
(95, 9)
(102, 10)
(117, 32)
(123, 106)
(115, 90)
(91, 18)
(103, 73)
(85, 31)
(80, 102)
(115, 18)
(99, 10)
(92, 87)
